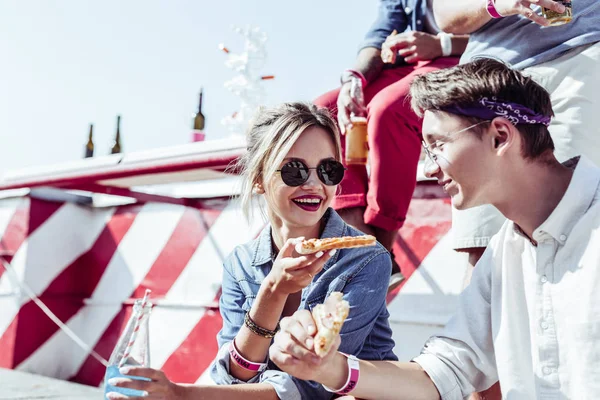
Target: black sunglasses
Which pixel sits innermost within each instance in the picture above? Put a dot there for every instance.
(296, 173)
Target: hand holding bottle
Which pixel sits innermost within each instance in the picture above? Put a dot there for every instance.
(348, 105)
(159, 387)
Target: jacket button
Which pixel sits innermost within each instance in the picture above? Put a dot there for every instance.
(408, 10)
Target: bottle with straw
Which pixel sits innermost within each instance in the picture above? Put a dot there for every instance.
(133, 347)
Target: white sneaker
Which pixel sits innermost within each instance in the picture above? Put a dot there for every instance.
(395, 281)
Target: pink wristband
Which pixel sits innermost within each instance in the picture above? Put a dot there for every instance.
(491, 9)
(353, 375)
(242, 362)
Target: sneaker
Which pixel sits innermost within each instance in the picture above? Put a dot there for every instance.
(395, 281)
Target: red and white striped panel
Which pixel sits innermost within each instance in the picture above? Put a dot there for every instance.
(86, 264)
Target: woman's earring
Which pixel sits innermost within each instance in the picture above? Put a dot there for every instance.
(258, 189)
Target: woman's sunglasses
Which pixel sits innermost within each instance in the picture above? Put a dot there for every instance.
(296, 173)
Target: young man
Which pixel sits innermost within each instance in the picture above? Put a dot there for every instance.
(530, 316)
(562, 59)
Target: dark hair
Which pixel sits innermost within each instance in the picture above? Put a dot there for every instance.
(465, 84)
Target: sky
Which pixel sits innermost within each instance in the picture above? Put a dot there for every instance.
(68, 63)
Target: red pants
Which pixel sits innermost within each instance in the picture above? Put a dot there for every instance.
(395, 145)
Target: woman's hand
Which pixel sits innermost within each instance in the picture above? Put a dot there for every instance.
(292, 272)
(158, 388)
(413, 46)
(293, 348)
(523, 7)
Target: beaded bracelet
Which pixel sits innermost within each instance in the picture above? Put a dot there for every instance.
(258, 330)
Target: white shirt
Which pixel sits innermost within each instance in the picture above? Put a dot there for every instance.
(531, 315)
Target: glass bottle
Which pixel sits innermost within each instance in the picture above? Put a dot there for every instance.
(357, 146)
(89, 147)
(116, 148)
(198, 134)
(138, 354)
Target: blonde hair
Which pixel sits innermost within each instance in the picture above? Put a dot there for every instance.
(271, 135)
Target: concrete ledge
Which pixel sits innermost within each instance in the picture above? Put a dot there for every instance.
(17, 385)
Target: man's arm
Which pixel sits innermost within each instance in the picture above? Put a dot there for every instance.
(368, 62)
(378, 379)
(383, 380)
(467, 16)
(459, 44)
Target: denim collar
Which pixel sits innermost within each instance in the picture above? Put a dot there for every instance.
(263, 250)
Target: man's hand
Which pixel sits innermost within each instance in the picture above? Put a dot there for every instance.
(293, 348)
(413, 46)
(523, 7)
(346, 105)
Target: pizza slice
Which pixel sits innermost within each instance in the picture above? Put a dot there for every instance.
(329, 317)
(315, 245)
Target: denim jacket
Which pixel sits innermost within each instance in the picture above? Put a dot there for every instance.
(362, 274)
(401, 15)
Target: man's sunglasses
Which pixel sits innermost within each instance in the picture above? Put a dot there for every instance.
(296, 173)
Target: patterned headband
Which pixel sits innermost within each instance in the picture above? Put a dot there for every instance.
(490, 109)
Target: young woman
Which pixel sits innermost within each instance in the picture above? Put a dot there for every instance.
(293, 161)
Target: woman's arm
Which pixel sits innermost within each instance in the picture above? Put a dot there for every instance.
(158, 386)
(288, 275)
(265, 312)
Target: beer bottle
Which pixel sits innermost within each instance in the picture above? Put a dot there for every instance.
(89, 147)
(198, 127)
(116, 148)
(357, 147)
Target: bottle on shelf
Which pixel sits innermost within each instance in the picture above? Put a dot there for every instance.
(117, 148)
(198, 134)
(89, 147)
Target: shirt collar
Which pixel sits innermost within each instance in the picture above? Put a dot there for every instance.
(263, 252)
(575, 202)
